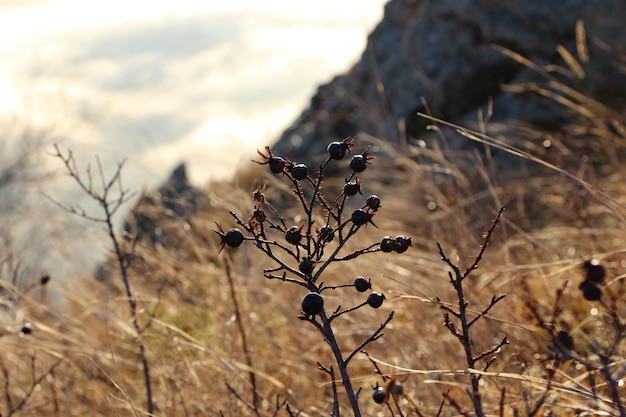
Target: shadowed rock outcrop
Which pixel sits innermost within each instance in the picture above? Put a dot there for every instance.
(449, 57)
(158, 214)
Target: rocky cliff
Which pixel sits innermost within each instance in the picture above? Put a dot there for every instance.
(453, 57)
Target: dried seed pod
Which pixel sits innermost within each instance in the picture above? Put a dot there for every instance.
(232, 238)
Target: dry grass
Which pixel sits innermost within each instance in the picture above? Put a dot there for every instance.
(564, 204)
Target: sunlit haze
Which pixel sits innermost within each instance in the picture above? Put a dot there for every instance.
(162, 82)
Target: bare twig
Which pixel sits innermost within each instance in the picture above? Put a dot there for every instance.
(463, 334)
(37, 380)
(109, 205)
(244, 339)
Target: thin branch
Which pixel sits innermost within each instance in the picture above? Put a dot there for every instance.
(377, 334)
(243, 335)
(36, 382)
(331, 372)
(494, 301)
(491, 351)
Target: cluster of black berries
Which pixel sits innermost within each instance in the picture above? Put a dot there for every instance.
(280, 165)
(313, 302)
(362, 216)
(594, 277)
(400, 244)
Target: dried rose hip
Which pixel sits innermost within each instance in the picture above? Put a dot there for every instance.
(312, 304)
(402, 243)
(361, 284)
(293, 235)
(373, 202)
(387, 244)
(591, 290)
(299, 171)
(361, 217)
(375, 299)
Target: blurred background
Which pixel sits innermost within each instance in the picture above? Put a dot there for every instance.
(161, 82)
(157, 83)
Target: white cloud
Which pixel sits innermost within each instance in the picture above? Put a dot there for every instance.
(179, 80)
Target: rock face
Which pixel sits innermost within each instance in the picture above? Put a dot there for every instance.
(448, 57)
(174, 201)
(158, 215)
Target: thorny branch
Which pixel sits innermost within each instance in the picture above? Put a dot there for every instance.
(456, 278)
(308, 249)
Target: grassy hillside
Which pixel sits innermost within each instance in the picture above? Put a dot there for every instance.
(191, 306)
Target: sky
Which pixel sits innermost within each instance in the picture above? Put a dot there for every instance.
(161, 82)
(157, 83)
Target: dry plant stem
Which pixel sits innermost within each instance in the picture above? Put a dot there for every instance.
(602, 367)
(307, 251)
(604, 370)
(329, 337)
(124, 258)
(11, 410)
(244, 339)
(331, 372)
(456, 405)
(343, 365)
(463, 335)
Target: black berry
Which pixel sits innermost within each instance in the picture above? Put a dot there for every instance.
(233, 238)
(259, 215)
(402, 243)
(293, 235)
(312, 304)
(299, 171)
(387, 244)
(591, 290)
(276, 164)
(375, 299)
(594, 271)
(563, 339)
(326, 234)
(361, 284)
(379, 396)
(306, 266)
(361, 217)
(358, 163)
(352, 188)
(373, 202)
(337, 150)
